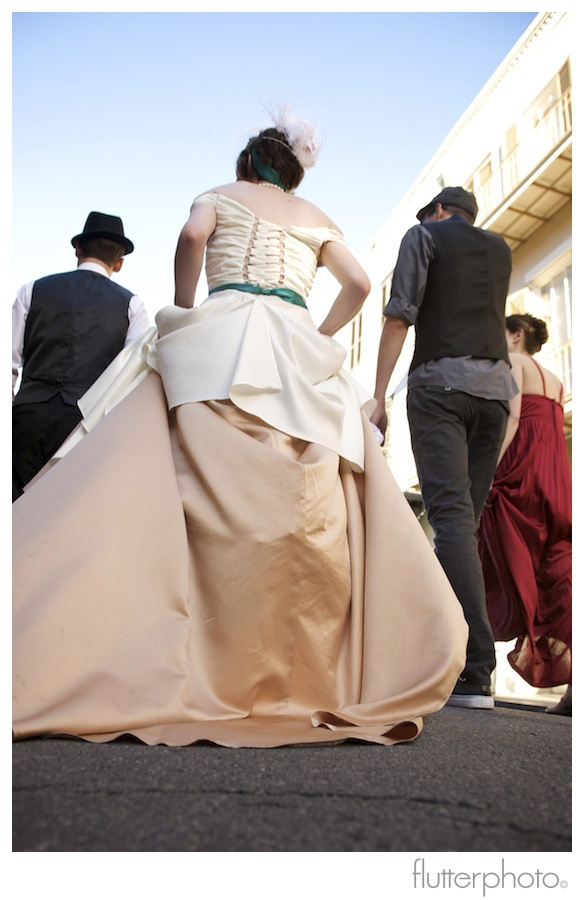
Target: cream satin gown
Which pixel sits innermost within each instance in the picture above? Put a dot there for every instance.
(225, 556)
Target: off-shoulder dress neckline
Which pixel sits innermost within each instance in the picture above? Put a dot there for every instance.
(269, 221)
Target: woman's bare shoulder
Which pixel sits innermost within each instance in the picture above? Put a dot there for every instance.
(551, 377)
(223, 189)
(532, 376)
(315, 214)
(305, 212)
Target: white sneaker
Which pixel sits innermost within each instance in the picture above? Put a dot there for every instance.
(471, 696)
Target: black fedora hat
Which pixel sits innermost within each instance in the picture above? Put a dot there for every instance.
(100, 225)
(452, 196)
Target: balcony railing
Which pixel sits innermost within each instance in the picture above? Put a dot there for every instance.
(533, 149)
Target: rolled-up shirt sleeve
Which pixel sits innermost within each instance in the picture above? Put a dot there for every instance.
(410, 275)
(138, 322)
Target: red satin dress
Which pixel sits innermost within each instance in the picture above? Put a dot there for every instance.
(525, 542)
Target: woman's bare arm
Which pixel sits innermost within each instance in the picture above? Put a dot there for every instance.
(355, 286)
(514, 404)
(190, 252)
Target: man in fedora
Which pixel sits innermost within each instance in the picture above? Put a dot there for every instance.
(451, 281)
(66, 329)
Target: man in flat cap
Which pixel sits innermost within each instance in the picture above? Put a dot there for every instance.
(66, 329)
(451, 281)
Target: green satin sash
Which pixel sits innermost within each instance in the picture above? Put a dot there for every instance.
(283, 293)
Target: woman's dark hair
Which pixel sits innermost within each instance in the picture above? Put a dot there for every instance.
(273, 148)
(535, 330)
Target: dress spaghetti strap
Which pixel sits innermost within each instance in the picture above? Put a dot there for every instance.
(543, 382)
(541, 373)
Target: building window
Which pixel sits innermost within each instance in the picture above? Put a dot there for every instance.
(479, 177)
(356, 334)
(525, 144)
(385, 296)
(485, 171)
(556, 298)
(551, 113)
(565, 77)
(511, 141)
(508, 167)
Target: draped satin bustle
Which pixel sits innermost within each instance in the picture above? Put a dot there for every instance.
(526, 546)
(219, 551)
(220, 580)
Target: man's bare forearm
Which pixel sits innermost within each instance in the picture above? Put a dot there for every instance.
(390, 346)
(392, 340)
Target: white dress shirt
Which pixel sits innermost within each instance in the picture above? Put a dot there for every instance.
(138, 322)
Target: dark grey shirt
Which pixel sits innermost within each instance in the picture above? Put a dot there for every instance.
(488, 378)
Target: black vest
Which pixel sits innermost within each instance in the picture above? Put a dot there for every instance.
(76, 325)
(463, 310)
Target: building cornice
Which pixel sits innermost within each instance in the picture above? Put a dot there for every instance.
(542, 23)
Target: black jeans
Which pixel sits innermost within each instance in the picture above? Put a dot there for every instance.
(456, 440)
(38, 430)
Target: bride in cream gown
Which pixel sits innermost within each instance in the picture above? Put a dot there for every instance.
(225, 556)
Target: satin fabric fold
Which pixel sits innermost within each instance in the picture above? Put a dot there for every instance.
(207, 577)
(526, 547)
(280, 368)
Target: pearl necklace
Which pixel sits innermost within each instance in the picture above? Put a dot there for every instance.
(269, 184)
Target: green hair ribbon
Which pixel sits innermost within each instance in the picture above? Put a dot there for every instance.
(266, 172)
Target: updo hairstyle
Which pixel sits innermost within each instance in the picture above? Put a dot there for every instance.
(272, 147)
(535, 330)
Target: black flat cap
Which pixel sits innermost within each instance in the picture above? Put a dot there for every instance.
(452, 196)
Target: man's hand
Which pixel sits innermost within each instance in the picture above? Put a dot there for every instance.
(379, 418)
(390, 346)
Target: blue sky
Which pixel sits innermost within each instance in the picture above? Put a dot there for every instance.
(136, 113)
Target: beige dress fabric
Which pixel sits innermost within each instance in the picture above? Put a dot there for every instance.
(201, 574)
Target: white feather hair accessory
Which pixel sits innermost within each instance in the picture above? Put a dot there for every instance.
(300, 133)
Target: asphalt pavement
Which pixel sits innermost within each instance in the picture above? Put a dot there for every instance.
(475, 781)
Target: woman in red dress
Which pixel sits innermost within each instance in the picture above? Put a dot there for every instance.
(526, 529)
